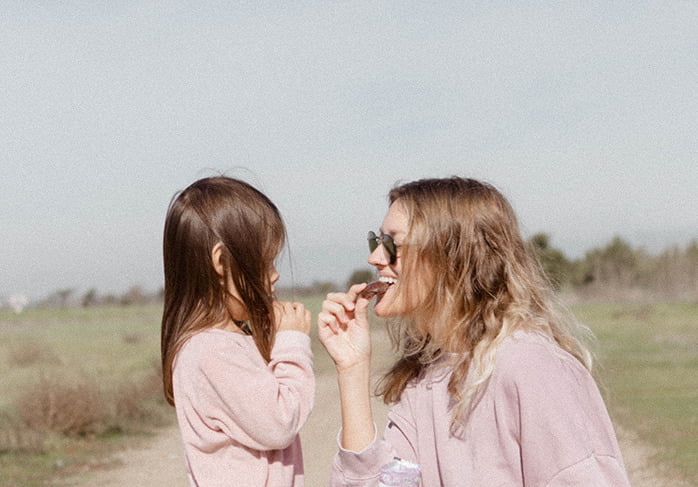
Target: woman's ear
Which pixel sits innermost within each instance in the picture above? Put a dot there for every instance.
(217, 259)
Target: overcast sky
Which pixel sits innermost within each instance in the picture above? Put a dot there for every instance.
(583, 113)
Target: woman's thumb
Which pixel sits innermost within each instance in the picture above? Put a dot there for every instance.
(361, 309)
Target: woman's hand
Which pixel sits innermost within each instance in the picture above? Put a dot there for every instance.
(292, 316)
(344, 330)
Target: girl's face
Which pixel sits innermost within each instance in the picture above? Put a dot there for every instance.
(394, 302)
(241, 311)
(234, 302)
(273, 278)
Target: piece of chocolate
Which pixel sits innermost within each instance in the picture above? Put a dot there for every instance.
(374, 288)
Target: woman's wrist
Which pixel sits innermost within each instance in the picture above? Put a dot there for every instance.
(357, 369)
(355, 397)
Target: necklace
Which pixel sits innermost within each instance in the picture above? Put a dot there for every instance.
(244, 326)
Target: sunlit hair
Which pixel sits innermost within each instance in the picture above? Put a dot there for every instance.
(252, 233)
(482, 285)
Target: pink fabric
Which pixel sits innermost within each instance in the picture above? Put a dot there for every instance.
(540, 422)
(239, 417)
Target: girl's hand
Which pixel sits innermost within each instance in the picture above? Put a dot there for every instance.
(292, 316)
(344, 330)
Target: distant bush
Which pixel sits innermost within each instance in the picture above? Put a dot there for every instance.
(79, 407)
(619, 271)
(16, 437)
(58, 405)
(556, 266)
(361, 275)
(31, 353)
(132, 338)
(317, 288)
(139, 403)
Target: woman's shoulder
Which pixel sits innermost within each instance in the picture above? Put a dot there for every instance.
(527, 354)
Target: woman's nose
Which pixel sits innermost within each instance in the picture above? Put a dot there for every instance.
(378, 257)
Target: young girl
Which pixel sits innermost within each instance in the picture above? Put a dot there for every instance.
(492, 387)
(237, 364)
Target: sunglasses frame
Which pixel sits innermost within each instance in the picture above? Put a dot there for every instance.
(388, 244)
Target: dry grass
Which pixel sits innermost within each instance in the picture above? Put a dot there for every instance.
(57, 404)
(140, 403)
(78, 383)
(16, 437)
(31, 353)
(132, 338)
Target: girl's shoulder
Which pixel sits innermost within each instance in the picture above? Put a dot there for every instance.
(211, 343)
(219, 337)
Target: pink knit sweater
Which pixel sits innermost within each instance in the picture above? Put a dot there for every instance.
(540, 422)
(239, 417)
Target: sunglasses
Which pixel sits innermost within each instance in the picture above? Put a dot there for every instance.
(388, 244)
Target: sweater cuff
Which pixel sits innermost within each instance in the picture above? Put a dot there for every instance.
(291, 339)
(365, 464)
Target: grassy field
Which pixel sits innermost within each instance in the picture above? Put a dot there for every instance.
(77, 383)
(648, 370)
(647, 357)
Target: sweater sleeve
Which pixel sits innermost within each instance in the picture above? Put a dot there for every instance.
(554, 408)
(262, 406)
(362, 469)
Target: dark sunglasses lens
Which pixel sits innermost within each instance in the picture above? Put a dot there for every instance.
(387, 242)
(389, 245)
(372, 241)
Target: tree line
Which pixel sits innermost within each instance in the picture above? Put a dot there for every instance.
(619, 270)
(614, 271)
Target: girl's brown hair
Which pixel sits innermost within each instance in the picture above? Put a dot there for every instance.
(249, 227)
(483, 285)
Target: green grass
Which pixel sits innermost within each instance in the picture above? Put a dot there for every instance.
(647, 368)
(648, 357)
(109, 346)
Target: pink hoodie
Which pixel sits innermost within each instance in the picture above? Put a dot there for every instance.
(239, 417)
(540, 422)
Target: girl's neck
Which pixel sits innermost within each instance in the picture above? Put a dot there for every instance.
(233, 325)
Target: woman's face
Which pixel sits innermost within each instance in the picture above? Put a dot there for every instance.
(394, 302)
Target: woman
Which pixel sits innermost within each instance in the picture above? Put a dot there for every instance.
(492, 386)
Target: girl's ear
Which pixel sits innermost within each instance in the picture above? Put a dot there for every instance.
(234, 303)
(217, 259)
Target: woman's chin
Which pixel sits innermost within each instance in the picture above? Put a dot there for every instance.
(382, 308)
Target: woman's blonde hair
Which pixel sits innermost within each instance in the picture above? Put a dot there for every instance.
(483, 285)
(249, 227)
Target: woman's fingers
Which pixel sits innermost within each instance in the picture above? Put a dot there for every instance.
(328, 320)
(338, 309)
(354, 292)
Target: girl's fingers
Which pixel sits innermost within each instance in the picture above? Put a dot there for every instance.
(292, 316)
(298, 308)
